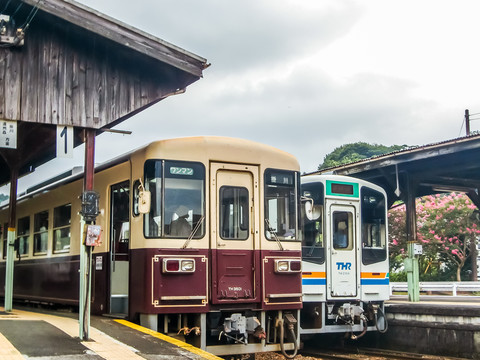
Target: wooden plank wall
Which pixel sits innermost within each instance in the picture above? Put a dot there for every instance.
(65, 75)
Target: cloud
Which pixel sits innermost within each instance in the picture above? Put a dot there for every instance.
(237, 36)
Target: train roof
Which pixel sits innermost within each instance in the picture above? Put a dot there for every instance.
(309, 178)
(215, 146)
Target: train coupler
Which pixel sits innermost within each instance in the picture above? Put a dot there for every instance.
(350, 314)
(237, 328)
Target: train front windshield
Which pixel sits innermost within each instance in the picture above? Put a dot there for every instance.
(178, 199)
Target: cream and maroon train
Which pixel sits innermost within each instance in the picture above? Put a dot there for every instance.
(345, 256)
(217, 256)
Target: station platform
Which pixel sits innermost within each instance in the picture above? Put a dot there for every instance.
(37, 335)
(436, 325)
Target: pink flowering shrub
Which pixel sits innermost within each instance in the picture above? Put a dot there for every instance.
(445, 228)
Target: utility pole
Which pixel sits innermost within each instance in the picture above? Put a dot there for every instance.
(467, 122)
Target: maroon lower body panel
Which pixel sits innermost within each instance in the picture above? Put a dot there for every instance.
(281, 290)
(155, 291)
(51, 280)
(236, 277)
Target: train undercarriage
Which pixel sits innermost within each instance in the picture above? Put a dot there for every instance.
(232, 332)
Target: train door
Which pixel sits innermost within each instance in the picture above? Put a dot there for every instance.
(119, 245)
(234, 195)
(342, 278)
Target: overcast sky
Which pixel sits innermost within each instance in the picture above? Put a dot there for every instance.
(307, 76)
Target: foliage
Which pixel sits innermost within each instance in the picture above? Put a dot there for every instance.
(3, 198)
(446, 227)
(354, 152)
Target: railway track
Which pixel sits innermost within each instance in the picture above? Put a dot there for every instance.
(355, 354)
(371, 354)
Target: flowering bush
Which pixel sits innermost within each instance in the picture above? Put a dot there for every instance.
(445, 227)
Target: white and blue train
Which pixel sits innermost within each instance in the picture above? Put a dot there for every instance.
(345, 268)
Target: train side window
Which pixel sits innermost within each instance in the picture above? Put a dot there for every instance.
(120, 217)
(234, 213)
(153, 183)
(61, 228)
(374, 230)
(313, 246)
(281, 189)
(136, 197)
(342, 230)
(23, 235)
(40, 233)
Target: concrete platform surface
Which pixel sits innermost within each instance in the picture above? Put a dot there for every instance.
(40, 336)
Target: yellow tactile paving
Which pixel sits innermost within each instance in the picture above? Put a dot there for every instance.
(181, 344)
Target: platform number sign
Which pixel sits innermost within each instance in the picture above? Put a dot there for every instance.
(64, 141)
(8, 134)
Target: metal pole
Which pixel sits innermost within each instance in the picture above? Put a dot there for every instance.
(11, 240)
(85, 251)
(411, 263)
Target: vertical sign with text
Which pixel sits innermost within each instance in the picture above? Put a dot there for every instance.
(8, 134)
(64, 141)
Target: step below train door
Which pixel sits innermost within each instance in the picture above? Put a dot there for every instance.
(342, 277)
(234, 233)
(119, 246)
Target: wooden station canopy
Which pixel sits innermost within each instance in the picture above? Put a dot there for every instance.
(451, 165)
(77, 67)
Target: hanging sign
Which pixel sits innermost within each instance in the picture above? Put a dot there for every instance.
(93, 235)
(8, 134)
(64, 141)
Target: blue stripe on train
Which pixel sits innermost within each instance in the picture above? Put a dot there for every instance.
(314, 281)
(375, 281)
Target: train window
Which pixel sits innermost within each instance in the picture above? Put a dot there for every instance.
(136, 197)
(120, 218)
(184, 199)
(153, 183)
(177, 207)
(61, 228)
(234, 213)
(342, 230)
(23, 234)
(313, 246)
(374, 231)
(40, 233)
(281, 205)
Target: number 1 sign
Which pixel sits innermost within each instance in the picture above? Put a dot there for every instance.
(64, 141)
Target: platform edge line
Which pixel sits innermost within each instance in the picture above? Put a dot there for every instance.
(181, 344)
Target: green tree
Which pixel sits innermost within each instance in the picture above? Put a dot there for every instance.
(356, 151)
(3, 198)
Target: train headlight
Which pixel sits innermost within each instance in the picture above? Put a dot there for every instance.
(175, 265)
(188, 265)
(288, 266)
